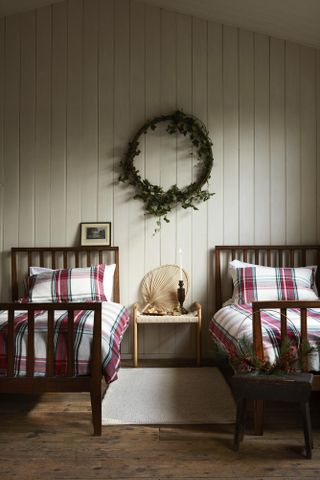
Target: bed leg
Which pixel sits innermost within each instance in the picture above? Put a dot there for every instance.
(95, 395)
(258, 416)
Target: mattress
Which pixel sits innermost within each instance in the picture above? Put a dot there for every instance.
(115, 320)
(234, 322)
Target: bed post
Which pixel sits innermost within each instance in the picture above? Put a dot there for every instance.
(116, 290)
(218, 279)
(257, 331)
(14, 277)
(258, 405)
(95, 388)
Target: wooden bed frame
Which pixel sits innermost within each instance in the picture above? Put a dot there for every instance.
(59, 257)
(282, 256)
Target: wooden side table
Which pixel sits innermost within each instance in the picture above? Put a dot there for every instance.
(189, 318)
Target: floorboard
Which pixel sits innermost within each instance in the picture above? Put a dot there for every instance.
(50, 437)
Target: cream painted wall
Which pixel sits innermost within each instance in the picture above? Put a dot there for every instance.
(78, 78)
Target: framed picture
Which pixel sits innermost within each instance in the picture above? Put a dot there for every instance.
(96, 234)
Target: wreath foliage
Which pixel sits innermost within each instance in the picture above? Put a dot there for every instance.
(157, 201)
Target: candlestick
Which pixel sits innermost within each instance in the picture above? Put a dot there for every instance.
(181, 294)
(180, 264)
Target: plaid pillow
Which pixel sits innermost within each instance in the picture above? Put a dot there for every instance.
(68, 285)
(256, 283)
(108, 279)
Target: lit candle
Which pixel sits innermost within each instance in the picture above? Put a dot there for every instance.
(180, 263)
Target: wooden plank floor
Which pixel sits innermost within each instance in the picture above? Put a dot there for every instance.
(50, 437)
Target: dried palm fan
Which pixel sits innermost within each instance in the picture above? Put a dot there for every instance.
(159, 287)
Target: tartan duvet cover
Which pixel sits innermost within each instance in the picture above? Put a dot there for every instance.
(115, 320)
(234, 322)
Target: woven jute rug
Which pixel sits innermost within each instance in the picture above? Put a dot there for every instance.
(168, 396)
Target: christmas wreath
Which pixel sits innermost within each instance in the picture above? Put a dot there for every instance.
(157, 201)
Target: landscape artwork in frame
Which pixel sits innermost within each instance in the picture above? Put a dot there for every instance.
(96, 234)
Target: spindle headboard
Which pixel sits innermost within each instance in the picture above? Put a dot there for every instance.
(61, 257)
(266, 255)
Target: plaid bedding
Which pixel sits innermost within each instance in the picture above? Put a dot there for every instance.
(233, 322)
(255, 283)
(115, 319)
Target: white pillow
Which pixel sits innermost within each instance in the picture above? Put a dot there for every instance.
(107, 279)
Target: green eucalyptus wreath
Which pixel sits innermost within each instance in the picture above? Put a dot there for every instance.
(157, 201)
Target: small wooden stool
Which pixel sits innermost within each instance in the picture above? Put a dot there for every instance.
(287, 388)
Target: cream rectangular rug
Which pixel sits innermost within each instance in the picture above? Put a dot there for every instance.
(168, 396)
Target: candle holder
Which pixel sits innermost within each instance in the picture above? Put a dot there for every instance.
(181, 294)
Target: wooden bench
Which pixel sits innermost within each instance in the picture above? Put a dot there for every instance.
(286, 388)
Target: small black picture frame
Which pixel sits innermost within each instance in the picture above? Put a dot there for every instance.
(98, 233)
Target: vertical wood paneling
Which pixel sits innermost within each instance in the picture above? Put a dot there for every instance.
(43, 128)
(152, 148)
(59, 108)
(199, 270)
(215, 126)
(277, 143)
(168, 173)
(2, 117)
(318, 141)
(246, 137)
(153, 105)
(184, 159)
(122, 132)
(27, 129)
(168, 154)
(76, 81)
(106, 111)
(184, 338)
(261, 140)
(89, 194)
(11, 146)
(230, 136)
(293, 181)
(308, 146)
(137, 117)
(74, 119)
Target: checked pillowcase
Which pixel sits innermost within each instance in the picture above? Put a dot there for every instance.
(68, 285)
(257, 283)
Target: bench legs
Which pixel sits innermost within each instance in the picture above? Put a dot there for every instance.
(258, 419)
(240, 423)
(258, 416)
(241, 420)
(305, 409)
(95, 396)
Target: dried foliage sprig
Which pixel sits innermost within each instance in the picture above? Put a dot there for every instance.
(243, 359)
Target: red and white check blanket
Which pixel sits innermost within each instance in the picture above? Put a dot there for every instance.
(115, 320)
(234, 322)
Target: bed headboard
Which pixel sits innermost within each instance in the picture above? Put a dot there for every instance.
(61, 257)
(271, 255)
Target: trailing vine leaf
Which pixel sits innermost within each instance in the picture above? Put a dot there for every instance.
(158, 202)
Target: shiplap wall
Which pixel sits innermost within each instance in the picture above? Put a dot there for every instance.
(78, 78)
